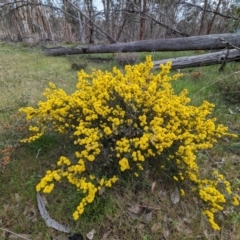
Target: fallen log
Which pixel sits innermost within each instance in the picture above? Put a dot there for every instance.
(201, 60)
(204, 42)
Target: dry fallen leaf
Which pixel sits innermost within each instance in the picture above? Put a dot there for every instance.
(175, 196)
(17, 197)
(162, 195)
(90, 235)
(147, 217)
(155, 227)
(105, 235)
(134, 211)
(167, 226)
(141, 227)
(182, 227)
(153, 186)
(206, 234)
(166, 233)
(134, 215)
(133, 208)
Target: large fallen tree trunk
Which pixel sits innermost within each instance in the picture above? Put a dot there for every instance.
(202, 60)
(205, 42)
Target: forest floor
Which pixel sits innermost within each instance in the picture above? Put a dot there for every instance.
(117, 214)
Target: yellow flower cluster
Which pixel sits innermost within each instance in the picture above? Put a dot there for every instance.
(213, 198)
(122, 122)
(46, 184)
(124, 164)
(210, 216)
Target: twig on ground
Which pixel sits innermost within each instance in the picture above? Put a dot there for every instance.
(19, 235)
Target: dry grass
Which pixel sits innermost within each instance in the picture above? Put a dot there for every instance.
(136, 209)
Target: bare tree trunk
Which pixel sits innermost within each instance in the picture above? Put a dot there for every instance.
(106, 9)
(81, 28)
(203, 17)
(213, 18)
(110, 38)
(91, 21)
(125, 20)
(142, 19)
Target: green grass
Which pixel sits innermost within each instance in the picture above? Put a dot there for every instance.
(24, 74)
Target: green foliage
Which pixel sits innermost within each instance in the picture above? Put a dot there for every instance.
(45, 144)
(122, 124)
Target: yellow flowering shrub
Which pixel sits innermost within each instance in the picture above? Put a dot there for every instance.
(125, 122)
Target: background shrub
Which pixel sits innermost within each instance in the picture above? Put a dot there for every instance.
(126, 58)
